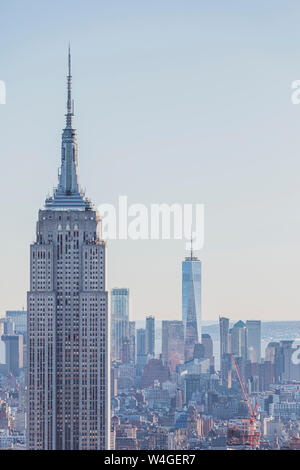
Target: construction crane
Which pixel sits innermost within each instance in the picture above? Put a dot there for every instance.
(253, 436)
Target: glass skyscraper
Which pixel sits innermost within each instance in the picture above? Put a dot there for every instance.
(191, 303)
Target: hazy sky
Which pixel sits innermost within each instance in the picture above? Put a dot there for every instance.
(175, 101)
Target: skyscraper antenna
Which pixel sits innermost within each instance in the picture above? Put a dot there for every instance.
(70, 106)
(191, 245)
(69, 57)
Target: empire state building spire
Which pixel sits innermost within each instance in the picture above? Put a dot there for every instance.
(70, 102)
(68, 194)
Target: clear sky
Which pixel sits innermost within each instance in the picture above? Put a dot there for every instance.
(175, 101)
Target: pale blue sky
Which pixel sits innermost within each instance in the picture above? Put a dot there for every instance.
(175, 101)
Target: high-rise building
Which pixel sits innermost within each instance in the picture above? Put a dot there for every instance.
(238, 340)
(280, 355)
(226, 370)
(192, 384)
(224, 332)
(141, 346)
(132, 340)
(172, 343)
(208, 346)
(150, 335)
(191, 303)
(19, 319)
(7, 329)
(119, 321)
(68, 327)
(13, 353)
(8, 326)
(253, 332)
(266, 375)
(225, 359)
(2, 344)
(287, 368)
(154, 371)
(141, 356)
(126, 351)
(273, 356)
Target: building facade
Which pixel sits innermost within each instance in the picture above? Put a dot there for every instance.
(208, 347)
(141, 346)
(224, 332)
(150, 335)
(67, 324)
(132, 341)
(119, 321)
(253, 332)
(13, 353)
(19, 320)
(172, 343)
(238, 340)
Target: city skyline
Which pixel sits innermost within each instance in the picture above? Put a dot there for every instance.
(162, 301)
(228, 134)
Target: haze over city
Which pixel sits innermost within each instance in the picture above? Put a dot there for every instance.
(183, 104)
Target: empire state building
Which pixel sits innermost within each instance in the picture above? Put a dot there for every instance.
(68, 347)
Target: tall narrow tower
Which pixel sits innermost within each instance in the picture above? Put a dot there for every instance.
(191, 303)
(68, 327)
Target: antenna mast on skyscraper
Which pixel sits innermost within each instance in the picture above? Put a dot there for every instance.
(70, 102)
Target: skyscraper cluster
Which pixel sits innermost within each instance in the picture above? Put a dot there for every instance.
(243, 341)
(89, 380)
